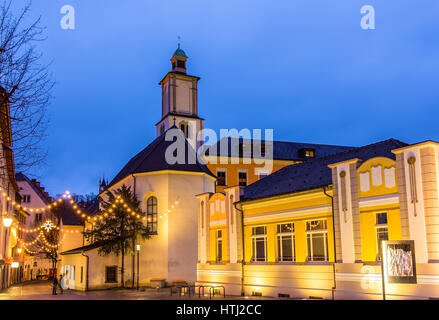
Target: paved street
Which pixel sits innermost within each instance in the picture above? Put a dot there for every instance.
(41, 290)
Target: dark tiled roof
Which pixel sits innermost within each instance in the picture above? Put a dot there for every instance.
(69, 216)
(152, 158)
(81, 249)
(283, 150)
(315, 173)
(93, 207)
(44, 196)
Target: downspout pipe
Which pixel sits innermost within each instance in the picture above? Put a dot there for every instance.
(334, 287)
(235, 204)
(86, 269)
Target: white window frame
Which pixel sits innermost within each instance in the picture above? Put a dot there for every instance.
(325, 242)
(218, 240)
(279, 236)
(254, 237)
(225, 175)
(377, 227)
(246, 174)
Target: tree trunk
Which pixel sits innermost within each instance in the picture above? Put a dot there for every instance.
(133, 260)
(123, 266)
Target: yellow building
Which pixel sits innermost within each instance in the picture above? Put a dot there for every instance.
(314, 229)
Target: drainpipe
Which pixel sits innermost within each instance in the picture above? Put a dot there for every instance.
(333, 233)
(86, 269)
(243, 248)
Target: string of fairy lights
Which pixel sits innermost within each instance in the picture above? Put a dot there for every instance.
(49, 225)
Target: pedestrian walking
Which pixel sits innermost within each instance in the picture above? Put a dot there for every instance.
(61, 282)
(55, 284)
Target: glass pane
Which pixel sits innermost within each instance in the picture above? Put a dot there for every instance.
(285, 228)
(287, 249)
(381, 218)
(316, 225)
(318, 247)
(259, 230)
(260, 249)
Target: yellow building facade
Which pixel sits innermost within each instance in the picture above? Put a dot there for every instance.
(315, 229)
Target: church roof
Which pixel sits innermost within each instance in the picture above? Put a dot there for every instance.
(180, 52)
(152, 158)
(315, 173)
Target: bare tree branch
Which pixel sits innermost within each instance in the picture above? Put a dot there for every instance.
(27, 83)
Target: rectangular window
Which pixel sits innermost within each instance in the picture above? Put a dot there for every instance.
(111, 274)
(285, 242)
(382, 231)
(221, 177)
(317, 240)
(259, 243)
(82, 274)
(219, 246)
(242, 178)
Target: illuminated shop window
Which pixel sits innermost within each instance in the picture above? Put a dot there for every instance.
(151, 214)
(382, 231)
(259, 243)
(285, 242)
(317, 240)
(219, 246)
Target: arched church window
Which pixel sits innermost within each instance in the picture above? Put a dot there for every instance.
(185, 128)
(151, 214)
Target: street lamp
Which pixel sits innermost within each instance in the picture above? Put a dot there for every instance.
(7, 222)
(19, 250)
(138, 252)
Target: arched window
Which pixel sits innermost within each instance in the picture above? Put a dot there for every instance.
(151, 214)
(184, 126)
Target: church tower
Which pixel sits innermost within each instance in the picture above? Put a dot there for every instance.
(180, 100)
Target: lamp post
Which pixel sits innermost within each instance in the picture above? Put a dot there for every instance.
(138, 253)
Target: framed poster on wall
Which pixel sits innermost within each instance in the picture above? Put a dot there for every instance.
(399, 264)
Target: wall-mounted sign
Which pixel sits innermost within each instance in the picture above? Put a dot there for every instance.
(399, 264)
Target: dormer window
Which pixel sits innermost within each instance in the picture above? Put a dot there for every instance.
(307, 153)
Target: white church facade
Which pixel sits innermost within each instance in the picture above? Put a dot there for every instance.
(167, 193)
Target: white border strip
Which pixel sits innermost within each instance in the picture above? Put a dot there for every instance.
(380, 200)
(289, 214)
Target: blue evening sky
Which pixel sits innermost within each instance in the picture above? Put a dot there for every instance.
(302, 67)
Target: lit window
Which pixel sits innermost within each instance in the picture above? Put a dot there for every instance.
(285, 242)
(219, 246)
(382, 232)
(151, 214)
(242, 178)
(317, 240)
(259, 243)
(221, 177)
